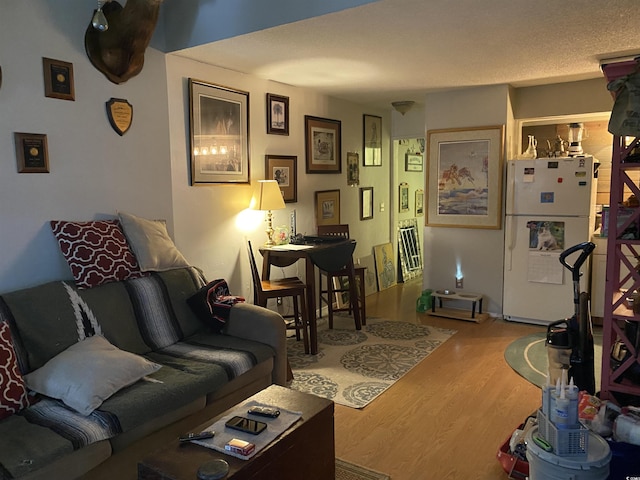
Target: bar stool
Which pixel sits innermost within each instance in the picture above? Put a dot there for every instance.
(335, 280)
(292, 287)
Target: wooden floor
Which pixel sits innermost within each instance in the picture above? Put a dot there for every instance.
(448, 416)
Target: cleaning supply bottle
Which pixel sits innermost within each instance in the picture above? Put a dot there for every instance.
(560, 413)
(574, 396)
(546, 396)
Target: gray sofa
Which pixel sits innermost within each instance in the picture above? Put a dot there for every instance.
(150, 318)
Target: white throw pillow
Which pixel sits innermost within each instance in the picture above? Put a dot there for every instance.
(151, 243)
(89, 372)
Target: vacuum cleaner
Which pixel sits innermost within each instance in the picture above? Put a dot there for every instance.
(570, 341)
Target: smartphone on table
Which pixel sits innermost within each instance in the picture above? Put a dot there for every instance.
(247, 425)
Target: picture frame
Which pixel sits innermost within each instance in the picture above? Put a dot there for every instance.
(323, 145)
(277, 114)
(353, 169)
(32, 153)
(413, 162)
(464, 177)
(403, 197)
(385, 266)
(419, 202)
(284, 170)
(366, 203)
(58, 79)
(219, 134)
(327, 204)
(372, 140)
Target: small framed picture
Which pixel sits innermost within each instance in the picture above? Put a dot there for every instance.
(353, 169)
(372, 140)
(323, 145)
(419, 203)
(58, 79)
(31, 152)
(277, 114)
(403, 197)
(413, 162)
(328, 207)
(284, 170)
(366, 203)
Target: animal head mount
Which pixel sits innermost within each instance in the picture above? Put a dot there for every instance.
(118, 52)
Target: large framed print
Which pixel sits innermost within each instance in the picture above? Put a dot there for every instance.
(284, 170)
(328, 207)
(323, 145)
(277, 114)
(219, 134)
(464, 177)
(372, 141)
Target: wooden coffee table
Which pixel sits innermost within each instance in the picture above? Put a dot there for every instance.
(306, 450)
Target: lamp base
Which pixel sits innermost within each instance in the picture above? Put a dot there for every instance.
(269, 230)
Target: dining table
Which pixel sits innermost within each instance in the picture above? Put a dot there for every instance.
(326, 253)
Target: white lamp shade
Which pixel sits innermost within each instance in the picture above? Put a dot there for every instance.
(267, 196)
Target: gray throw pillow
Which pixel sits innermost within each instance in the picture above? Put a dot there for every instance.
(151, 243)
(88, 372)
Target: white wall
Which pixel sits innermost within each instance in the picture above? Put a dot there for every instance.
(94, 172)
(479, 251)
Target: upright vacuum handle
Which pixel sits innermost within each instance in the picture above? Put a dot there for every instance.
(587, 248)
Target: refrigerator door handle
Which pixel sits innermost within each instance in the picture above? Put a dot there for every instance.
(511, 188)
(510, 240)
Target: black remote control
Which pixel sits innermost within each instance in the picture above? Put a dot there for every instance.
(196, 436)
(264, 411)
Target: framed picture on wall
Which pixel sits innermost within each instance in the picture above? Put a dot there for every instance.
(464, 177)
(419, 203)
(372, 140)
(284, 170)
(219, 134)
(323, 144)
(366, 203)
(31, 152)
(413, 162)
(403, 197)
(353, 169)
(58, 79)
(277, 114)
(328, 207)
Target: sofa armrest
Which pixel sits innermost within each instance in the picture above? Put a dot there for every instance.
(260, 324)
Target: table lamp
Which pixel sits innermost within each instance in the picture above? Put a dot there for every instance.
(267, 196)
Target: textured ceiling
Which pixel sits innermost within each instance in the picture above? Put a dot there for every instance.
(401, 49)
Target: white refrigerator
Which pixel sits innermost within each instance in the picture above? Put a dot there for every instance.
(550, 206)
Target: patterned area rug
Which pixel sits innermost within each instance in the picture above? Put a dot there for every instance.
(351, 471)
(353, 367)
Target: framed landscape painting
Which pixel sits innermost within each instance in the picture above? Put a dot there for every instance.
(464, 177)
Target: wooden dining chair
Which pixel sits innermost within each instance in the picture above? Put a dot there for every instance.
(292, 287)
(335, 281)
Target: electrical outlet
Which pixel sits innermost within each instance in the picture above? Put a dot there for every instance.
(279, 300)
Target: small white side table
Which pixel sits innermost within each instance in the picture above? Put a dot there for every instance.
(457, 313)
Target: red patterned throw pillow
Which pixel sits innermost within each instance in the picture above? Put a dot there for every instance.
(13, 394)
(97, 252)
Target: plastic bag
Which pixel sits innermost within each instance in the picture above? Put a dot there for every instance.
(625, 115)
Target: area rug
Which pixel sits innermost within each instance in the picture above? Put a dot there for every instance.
(528, 357)
(354, 367)
(351, 471)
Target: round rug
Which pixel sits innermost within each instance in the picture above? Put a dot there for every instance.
(528, 357)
